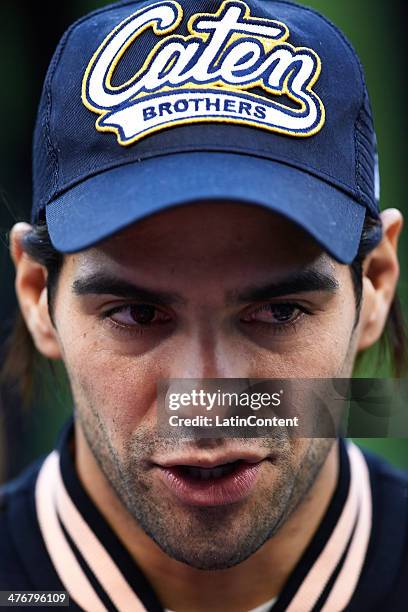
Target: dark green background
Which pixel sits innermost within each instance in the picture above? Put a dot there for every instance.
(28, 34)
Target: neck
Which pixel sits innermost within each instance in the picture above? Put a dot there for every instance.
(181, 587)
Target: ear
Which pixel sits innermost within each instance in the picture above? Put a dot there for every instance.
(31, 290)
(380, 277)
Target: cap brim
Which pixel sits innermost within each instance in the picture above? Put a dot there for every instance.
(110, 201)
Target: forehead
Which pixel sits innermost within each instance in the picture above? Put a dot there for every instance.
(207, 234)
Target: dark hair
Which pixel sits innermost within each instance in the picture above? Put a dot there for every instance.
(19, 368)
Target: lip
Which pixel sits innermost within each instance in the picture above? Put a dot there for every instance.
(230, 488)
(206, 462)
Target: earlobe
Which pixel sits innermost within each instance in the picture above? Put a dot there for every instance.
(31, 290)
(380, 277)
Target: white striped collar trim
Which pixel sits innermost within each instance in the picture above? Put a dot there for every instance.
(55, 508)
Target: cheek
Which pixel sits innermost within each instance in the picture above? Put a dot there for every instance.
(323, 351)
(119, 391)
(329, 351)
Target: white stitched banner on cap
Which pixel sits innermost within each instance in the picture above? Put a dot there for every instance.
(208, 75)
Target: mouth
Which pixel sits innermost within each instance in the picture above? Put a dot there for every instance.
(208, 473)
(211, 485)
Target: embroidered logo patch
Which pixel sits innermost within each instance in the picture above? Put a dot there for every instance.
(206, 76)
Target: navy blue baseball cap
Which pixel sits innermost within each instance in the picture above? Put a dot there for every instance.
(154, 104)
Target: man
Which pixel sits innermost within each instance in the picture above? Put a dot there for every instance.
(205, 207)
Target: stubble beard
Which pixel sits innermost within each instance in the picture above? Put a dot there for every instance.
(206, 538)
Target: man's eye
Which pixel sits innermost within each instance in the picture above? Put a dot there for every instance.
(137, 314)
(275, 314)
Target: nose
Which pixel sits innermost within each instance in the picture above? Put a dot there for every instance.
(200, 362)
(207, 356)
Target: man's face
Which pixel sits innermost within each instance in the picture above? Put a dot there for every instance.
(219, 290)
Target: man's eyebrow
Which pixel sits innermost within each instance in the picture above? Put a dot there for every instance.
(306, 280)
(102, 284)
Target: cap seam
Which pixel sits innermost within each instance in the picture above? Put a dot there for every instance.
(52, 149)
(357, 156)
(47, 121)
(364, 196)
